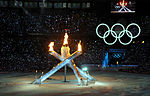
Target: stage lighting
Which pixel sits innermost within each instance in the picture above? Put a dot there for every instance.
(84, 69)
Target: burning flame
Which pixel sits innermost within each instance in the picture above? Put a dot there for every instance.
(79, 46)
(123, 3)
(65, 39)
(51, 46)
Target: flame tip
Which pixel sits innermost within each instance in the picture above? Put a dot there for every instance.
(79, 46)
(51, 44)
(65, 39)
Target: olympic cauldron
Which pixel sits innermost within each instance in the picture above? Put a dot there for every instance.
(123, 7)
(123, 4)
(66, 59)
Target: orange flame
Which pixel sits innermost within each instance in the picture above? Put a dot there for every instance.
(51, 46)
(123, 3)
(65, 39)
(79, 46)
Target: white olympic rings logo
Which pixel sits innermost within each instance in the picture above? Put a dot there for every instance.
(121, 34)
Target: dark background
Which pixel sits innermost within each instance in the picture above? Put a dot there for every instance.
(23, 50)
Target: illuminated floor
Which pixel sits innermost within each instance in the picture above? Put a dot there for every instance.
(107, 84)
(123, 12)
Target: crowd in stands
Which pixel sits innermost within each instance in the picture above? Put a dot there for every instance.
(22, 55)
(17, 22)
(29, 54)
(14, 23)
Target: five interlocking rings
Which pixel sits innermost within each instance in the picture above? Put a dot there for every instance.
(121, 34)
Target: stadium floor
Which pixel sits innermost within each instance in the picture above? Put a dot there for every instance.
(107, 84)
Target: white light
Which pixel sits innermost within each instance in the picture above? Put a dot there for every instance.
(84, 69)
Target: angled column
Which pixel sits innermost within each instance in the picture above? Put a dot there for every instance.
(56, 55)
(60, 65)
(83, 74)
(66, 59)
(75, 72)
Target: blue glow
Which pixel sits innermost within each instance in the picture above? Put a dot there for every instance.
(105, 61)
(116, 55)
(84, 69)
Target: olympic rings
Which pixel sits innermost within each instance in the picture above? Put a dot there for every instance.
(120, 35)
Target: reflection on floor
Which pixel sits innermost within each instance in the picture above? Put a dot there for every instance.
(107, 84)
